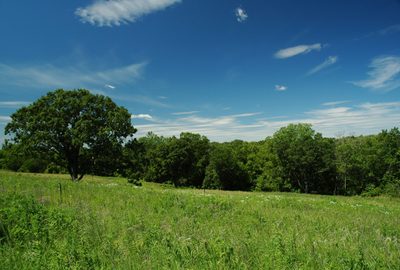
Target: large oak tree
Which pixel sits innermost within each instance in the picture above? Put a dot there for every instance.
(72, 128)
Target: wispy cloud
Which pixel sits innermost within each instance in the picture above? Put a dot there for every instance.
(366, 118)
(384, 74)
(13, 104)
(390, 30)
(246, 114)
(241, 14)
(280, 88)
(5, 119)
(117, 12)
(49, 76)
(300, 49)
(227, 127)
(141, 116)
(184, 113)
(335, 103)
(327, 63)
(109, 86)
(140, 99)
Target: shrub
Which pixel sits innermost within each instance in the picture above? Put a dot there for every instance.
(54, 169)
(34, 165)
(371, 191)
(392, 188)
(134, 178)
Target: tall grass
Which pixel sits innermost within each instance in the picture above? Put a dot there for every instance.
(105, 223)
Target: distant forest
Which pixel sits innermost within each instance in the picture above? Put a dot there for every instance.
(294, 159)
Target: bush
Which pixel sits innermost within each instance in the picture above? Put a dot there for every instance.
(134, 179)
(392, 188)
(371, 191)
(54, 169)
(34, 165)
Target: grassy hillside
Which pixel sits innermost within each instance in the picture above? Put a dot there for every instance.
(105, 223)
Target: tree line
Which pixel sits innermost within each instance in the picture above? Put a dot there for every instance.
(79, 133)
(294, 159)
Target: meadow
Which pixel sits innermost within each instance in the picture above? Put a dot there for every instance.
(49, 222)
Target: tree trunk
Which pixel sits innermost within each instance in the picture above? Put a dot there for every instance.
(74, 173)
(73, 168)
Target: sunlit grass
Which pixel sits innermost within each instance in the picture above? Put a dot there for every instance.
(119, 226)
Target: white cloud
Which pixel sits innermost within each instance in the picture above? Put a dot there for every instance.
(109, 86)
(5, 119)
(300, 49)
(140, 99)
(184, 113)
(366, 118)
(390, 30)
(117, 12)
(227, 127)
(241, 14)
(13, 104)
(328, 62)
(280, 88)
(141, 116)
(49, 76)
(335, 103)
(384, 75)
(245, 114)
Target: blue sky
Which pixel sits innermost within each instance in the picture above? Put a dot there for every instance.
(227, 69)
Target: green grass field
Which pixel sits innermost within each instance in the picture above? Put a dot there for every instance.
(105, 223)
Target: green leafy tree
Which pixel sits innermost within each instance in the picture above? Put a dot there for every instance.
(189, 157)
(362, 162)
(306, 159)
(2, 159)
(263, 168)
(226, 171)
(351, 164)
(181, 161)
(13, 156)
(74, 129)
(155, 161)
(390, 151)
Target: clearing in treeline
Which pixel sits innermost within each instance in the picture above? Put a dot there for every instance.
(49, 222)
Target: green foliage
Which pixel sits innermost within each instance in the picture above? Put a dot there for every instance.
(54, 169)
(12, 156)
(390, 153)
(134, 178)
(226, 171)
(33, 165)
(74, 129)
(368, 163)
(296, 159)
(189, 157)
(305, 158)
(262, 166)
(392, 188)
(2, 159)
(182, 160)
